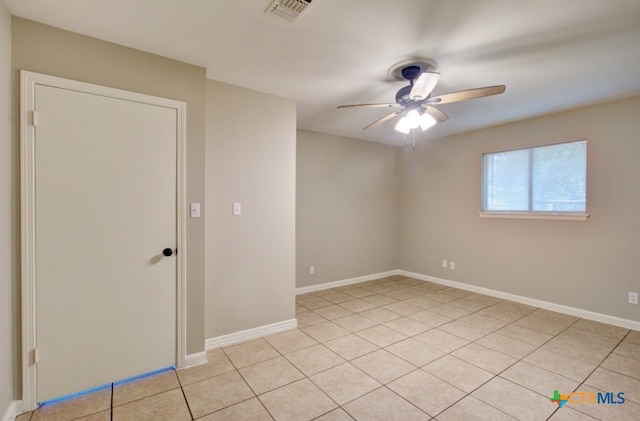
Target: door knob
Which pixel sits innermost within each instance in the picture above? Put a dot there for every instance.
(167, 252)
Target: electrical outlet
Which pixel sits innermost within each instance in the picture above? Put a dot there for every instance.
(452, 265)
(633, 298)
(312, 270)
(444, 264)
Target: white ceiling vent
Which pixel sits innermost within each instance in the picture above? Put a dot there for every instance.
(290, 10)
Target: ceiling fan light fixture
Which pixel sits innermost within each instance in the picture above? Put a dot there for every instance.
(426, 121)
(413, 119)
(403, 126)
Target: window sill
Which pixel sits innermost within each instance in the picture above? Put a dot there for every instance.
(527, 215)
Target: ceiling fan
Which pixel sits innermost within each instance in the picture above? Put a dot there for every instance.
(415, 100)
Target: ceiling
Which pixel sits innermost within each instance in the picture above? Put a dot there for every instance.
(552, 55)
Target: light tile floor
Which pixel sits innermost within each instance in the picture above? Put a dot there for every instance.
(391, 349)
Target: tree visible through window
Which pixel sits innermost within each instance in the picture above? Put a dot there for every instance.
(544, 179)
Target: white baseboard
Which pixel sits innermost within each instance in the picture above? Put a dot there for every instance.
(344, 282)
(572, 311)
(15, 408)
(196, 359)
(245, 335)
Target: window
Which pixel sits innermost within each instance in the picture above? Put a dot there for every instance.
(541, 180)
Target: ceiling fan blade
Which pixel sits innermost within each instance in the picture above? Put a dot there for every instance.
(423, 86)
(382, 105)
(467, 94)
(383, 119)
(436, 113)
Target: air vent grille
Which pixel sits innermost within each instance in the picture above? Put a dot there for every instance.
(288, 9)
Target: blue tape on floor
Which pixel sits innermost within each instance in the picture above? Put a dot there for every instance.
(105, 386)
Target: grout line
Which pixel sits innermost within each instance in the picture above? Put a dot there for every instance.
(265, 408)
(184, 395)
(405, 399)
(111, 408)
(598, 366)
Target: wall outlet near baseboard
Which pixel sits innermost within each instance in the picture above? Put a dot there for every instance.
(452, 265)
(633, 298)
(237, 209)
(312, 269)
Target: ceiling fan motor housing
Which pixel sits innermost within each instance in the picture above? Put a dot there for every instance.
(409, 72)
(402, 96)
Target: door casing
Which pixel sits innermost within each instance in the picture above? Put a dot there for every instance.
(28, 82)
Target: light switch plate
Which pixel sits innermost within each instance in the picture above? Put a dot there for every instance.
(237, 208)
(195, 210)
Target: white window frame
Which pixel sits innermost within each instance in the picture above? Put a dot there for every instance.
(531, 214)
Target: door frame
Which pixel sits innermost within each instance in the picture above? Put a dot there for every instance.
(28, 82)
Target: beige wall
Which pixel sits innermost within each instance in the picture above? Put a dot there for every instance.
(251, 158)
(588, 265)
(346, 208)
(48, 50)
(8, 281)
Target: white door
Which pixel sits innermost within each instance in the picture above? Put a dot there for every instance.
(105, 208)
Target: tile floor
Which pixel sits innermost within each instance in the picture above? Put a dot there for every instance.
(391, 349)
